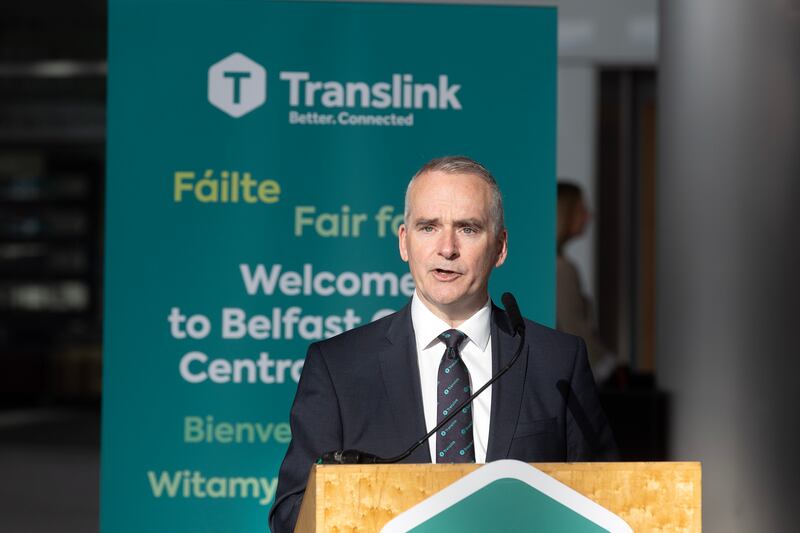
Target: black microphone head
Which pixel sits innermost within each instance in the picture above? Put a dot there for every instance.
(512, 309)
(347, 457)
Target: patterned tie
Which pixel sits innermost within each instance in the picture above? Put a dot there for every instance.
(454, 442)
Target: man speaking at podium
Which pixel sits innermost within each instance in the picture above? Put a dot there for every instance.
(382, 386)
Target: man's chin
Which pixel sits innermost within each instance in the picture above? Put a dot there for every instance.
(450, 302)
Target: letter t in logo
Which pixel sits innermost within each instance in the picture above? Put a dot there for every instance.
(237, 85)
(237, 89)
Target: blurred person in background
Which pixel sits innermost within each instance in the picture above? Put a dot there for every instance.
(573, 307)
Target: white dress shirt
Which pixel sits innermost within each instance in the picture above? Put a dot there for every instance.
(476, 352)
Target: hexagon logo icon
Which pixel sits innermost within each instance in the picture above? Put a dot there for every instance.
(237, 85)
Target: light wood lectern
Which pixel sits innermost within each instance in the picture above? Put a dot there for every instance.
(662, 497)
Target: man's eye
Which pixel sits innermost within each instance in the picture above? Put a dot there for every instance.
(426, 229)
(469, 231)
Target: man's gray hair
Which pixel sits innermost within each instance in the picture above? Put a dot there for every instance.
(458, 164)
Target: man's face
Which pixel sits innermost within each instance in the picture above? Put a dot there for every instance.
(450, 243)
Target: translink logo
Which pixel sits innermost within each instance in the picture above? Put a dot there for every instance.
(401, 93)
(237, 85)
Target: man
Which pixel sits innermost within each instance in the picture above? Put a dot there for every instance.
(378, 387)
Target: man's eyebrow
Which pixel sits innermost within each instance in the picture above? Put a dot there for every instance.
(426, 221)
(474, 222)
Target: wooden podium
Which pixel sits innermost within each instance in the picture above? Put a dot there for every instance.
(662, 497)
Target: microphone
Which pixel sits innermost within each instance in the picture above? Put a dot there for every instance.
(358, 457)
(347, 457)
(512, 309)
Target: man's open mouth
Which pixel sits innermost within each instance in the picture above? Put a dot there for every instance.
(444, 274)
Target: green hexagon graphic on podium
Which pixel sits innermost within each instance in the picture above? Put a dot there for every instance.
(507, 496)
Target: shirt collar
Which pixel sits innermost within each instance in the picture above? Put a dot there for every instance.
(428, 327)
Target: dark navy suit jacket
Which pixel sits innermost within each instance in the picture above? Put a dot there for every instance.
(361, 390)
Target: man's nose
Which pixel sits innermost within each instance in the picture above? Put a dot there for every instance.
(448, 244)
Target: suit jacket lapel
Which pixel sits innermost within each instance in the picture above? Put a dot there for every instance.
(506, 391)
(400, 372)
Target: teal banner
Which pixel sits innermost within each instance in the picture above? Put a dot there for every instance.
(258, 154)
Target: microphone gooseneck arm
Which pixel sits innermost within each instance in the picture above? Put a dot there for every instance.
(359, 457)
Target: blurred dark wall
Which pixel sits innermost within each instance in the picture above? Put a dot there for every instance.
(52, 141)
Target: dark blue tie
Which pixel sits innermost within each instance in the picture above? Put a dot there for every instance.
(454, 442)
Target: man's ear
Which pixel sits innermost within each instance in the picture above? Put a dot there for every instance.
(402, 234)
(502, 251)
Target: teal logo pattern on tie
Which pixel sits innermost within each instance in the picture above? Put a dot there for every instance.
(455, 444)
